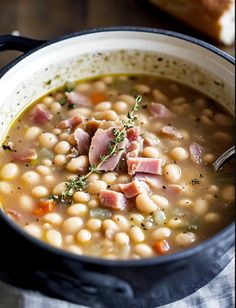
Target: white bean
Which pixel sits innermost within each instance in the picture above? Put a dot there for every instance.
(40, 192)
(72, 225)
(160, 201)
(59, 188)
(34, 230)
(200, 207)
(78, 163)
(228, 193)
(54, 238)
(103, 106)
(121, 239)
(26, 203)
(161, 233)
(44, 170)
(81, 197)
(185, 239)
(31, 177)
(94, 224)
(53, 218)
(172, 173)
(151, 152)
(63, 147)
(83, 236)
(96, 187)
(48, 140)
(32, 132)
(9, 171)
(143, 250)
(136, 234)
(178, 154)
(6, 188)
(78, 210)
(60, 160)
(145, 204)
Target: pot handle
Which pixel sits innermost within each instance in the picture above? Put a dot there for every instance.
(19, 43)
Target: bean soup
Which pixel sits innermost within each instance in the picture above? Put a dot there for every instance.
(119, 167)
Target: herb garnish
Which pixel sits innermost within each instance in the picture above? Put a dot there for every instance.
(80, 182)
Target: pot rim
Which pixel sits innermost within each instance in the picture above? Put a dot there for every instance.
(186, 253)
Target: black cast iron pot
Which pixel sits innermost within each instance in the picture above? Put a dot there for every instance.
(28, 263)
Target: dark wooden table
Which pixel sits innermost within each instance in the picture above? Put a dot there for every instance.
(46, 19)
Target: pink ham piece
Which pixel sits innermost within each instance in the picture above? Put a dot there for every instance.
(99, 147)
(195, 151)
(173, 189)
(152, 180)
(71, 122)
(13, 214)
(133, 133)
(82, 140)
(26, 156)
(135, 147)
(40, 115)
(78, 99)
(171, 132)
(160, 110)
(144, 164)
(134, 188)
(112, 199)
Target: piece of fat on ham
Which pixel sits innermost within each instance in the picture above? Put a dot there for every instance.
(82, 140)
(155, 181)
(78, 99)
(171, 132)
(195, 151)
(99, 147)
(112, 199)
(71, 122)
(144, 165)
(134, 188)
(160, 111)
(40, 115)
(25, 156)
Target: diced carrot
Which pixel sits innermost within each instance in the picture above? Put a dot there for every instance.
(161, 247)
(45, 206)
(98, 98)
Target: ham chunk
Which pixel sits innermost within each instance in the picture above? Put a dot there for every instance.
(40, 115)
(71, 122)
(195, 151)
(99, 147)
(143, 164)
(25, 156)
(135, 147)
(171, 132)
(78, 99)
(134, 188)
(82, 140)
(160, 110)
(133, 133)
(112, 199)
(155, 181)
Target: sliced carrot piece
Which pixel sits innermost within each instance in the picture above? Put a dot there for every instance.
(98, 98)
(45, 206)
(161, 247)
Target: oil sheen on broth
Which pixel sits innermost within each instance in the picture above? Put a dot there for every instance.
(157, 193)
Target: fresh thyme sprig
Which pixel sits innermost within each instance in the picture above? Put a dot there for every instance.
(80, 182)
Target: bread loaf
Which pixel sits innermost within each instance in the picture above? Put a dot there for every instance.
(214, 17)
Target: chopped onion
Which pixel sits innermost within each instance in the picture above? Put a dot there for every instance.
(100, 213)
(45, 154)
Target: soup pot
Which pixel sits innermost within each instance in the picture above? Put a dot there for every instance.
(29, 263)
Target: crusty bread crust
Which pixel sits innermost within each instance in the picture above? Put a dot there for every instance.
(205, 15)
(216, 8)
